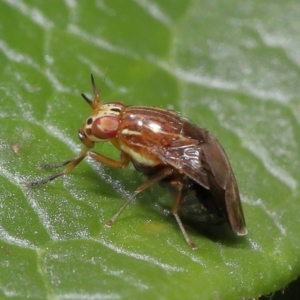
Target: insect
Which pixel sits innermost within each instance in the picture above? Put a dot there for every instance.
(167, 149)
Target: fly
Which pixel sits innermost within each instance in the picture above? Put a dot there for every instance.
(167, 149)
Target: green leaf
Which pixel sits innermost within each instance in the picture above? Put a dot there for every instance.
(230, 67)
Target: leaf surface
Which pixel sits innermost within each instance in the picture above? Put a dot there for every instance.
(232, 68)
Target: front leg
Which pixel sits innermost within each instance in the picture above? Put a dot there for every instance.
(73, 162)
(125, 159)
(70, 163)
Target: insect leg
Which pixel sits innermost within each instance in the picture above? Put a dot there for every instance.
(154, 179)
(72, 163)
(175, 207)
(108, 161)
(58, 165)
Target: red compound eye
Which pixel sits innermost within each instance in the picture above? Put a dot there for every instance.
(105, 127)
